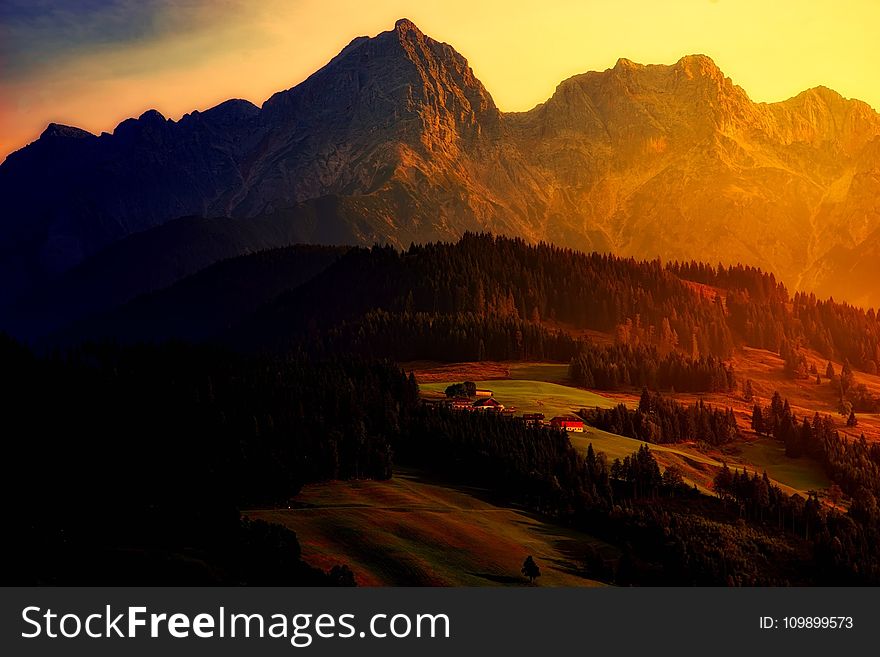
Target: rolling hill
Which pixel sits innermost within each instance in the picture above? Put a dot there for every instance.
(416, 532)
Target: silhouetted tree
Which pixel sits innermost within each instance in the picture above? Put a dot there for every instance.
(758, 420)
(530, 569)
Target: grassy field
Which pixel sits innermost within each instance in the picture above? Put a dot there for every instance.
(697, 468)
(802, 474)
(541, 387)
(765, 370)
(530, 396)
(763, 367)
(535, 396)
(545, 388)
(412, 531)
(409, 531)
(792, 475)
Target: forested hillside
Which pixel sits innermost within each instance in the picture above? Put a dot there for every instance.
(130, 464)
(137, 460)
(672, 326)
(763, 314)
(496, 298)
(482, 276)
(202, 306)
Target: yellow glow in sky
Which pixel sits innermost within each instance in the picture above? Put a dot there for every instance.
(520, 50)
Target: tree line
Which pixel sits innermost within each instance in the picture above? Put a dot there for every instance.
(406, 336)
(502, 287)
(847, 542)
(610, 367)
(501, 278)
(662, 420)
(763, 313)
(853, 464)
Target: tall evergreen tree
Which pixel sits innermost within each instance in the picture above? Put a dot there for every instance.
(530, 569)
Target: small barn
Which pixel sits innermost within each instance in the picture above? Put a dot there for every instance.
(568, 423)
(461, 404)
(533, 419)
(488, 404)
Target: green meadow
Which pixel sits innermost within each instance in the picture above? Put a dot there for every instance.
(540, 388)
(528, 396)
(802, 474)
(413, 531)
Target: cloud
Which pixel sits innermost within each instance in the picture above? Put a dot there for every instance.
(37, 36)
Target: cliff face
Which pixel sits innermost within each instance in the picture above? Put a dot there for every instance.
(396, 140)
(399, 118)
(677, 162)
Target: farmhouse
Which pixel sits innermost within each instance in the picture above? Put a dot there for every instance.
(533, 419)
(568, 423)
(461, 404)
(488, 404)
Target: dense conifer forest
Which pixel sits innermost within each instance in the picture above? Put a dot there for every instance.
(498, 298)
(623, 365)
(504, 279)
(661, 420)
(764, 314)
(137, 459)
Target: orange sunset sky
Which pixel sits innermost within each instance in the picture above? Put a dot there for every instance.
(95, 62)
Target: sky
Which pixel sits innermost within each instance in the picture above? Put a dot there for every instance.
(93, 63)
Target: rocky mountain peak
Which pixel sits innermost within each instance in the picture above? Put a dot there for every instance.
(60, 130)
(821, 116)
(694, 79)
(624, 64)
(400, 78)
(404, 27)
(232, 110)
(699, 66)
(152, 116)
(643, 106)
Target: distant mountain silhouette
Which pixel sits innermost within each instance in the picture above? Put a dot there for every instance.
(156, 258)
(395, 140)
(209, 303)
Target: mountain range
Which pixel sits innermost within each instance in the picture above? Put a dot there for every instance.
(395, 140)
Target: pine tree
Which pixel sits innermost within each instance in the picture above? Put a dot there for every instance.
(748, 393)
(758, 420)
(851, 421)
(724, 482)
(846, 377)
(829, 371)
(530, 569)
(645, 401)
